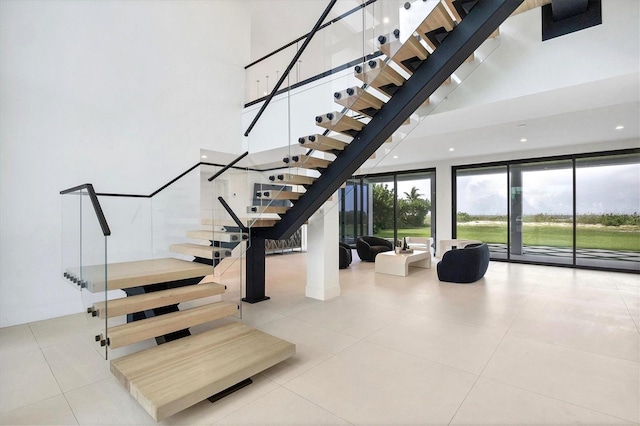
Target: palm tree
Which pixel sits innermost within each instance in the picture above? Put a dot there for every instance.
(413, 194)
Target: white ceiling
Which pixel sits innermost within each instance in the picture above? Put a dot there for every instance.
(577, 115)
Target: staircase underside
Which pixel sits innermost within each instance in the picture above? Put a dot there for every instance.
(460, 44)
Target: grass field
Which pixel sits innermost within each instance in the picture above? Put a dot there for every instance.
(596, 237)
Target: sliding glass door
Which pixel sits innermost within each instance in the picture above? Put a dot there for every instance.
(390, 206)
(481, 203)
(580, 210)
(607, 211)
(541, 211)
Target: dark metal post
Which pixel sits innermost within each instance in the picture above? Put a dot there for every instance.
(255, 265)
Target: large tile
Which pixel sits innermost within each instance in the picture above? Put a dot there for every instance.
(207, 413)
(25, 378)
(354, 318)
(281, 407)
(76, 364)
(603, 328)
(495, 314)
(106, 403)
(370, 384)
(51, 411)
(494, 403)
(454, 344)
(63, 329)
(313, 343)
(597, 382)
(17, 339)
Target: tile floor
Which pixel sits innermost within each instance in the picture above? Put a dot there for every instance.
(525, 345)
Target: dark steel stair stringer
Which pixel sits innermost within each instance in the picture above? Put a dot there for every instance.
(474, 29)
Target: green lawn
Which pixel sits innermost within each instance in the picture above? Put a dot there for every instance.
(600, 237)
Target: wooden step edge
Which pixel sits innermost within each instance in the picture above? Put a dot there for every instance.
(359, 100)
(209, 235)
(137, 331)
(307, 162)
(174, 376)
(246, 221)
(197, 250)
(438, 18)
(339, 122)
(137, 364)
(279, 195)
(293, 179)
(267, 209)
(322, 143)
(377, 72)
(142, 272)
(156, 299)
(252, 356)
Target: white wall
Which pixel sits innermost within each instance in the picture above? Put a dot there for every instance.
(120, 94)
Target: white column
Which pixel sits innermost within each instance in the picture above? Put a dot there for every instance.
(443, 204)
(322, 253)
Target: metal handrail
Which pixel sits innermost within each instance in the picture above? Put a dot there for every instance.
(96, 205)
(286, 72)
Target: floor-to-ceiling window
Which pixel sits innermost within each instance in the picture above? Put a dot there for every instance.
(579, 210)
(481, 206)
(608, 211)
(390, 206)
(541, 211)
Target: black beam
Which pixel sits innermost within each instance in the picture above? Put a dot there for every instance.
(255, 267)
(477, 26)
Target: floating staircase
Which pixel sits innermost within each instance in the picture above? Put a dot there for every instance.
(418, 59)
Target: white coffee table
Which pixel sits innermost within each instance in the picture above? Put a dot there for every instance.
(389, 262)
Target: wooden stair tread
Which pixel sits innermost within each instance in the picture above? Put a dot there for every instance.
(246, 221)
(379, 75)
(359, 100)
(174, 376)
(307, 162)
(141, 272)
(403, 54)
(279, 195)
(293, 179)
(210, 235)
(322, 143)
(137, 331)
(267, 209)
(340, 123)
(198, 250)
(437, 18)
(156, 299)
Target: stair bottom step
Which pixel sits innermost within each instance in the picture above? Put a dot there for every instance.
(172, 377)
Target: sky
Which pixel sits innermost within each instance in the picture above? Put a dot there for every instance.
(600, 190)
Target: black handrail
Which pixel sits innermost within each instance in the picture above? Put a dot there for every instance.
(291, 43)
(233, 215)
(285, 74)
(228, 166)
(96, 205)
(181, 175)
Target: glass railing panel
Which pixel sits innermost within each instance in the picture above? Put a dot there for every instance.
(84, 257)
(226, 221)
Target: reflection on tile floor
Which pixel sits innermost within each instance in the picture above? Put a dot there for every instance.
(525, 345)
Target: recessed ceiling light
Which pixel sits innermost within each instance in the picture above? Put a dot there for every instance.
(523, 140)
(522, 125)
(385, 20)
(619, 127)
(451, 149)
(203, 156)
(395, 157)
